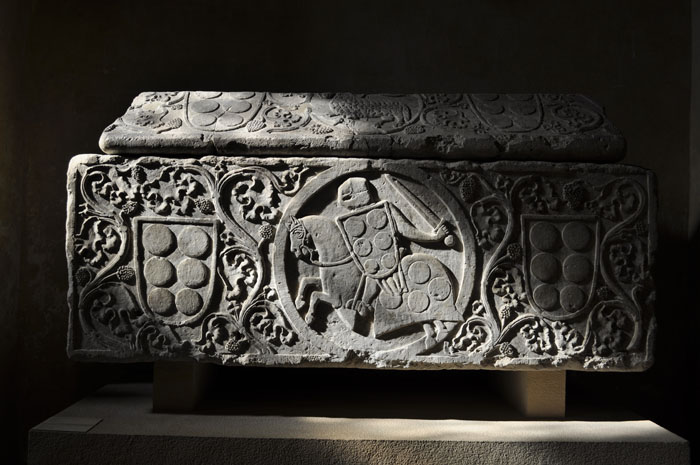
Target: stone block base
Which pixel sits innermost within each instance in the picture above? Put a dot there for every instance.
(117, 426)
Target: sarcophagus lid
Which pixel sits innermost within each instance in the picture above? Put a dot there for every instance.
(563, 127)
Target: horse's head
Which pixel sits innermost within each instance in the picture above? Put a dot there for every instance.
(300, 243)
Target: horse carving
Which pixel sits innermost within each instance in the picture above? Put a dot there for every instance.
(318, 241)
(376, 285)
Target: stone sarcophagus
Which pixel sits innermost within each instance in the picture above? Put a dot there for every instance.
(414, 258)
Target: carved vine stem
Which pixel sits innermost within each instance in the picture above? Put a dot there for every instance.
(631, 302)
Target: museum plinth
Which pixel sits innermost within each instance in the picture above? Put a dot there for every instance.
(117, 426)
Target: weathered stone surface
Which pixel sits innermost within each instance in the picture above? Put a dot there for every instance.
(453, 126)
(357, 262)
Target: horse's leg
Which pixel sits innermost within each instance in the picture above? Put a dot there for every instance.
(316, 297)
(304, 284)
(369, 294)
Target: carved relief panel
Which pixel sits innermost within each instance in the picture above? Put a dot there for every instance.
(360, 262)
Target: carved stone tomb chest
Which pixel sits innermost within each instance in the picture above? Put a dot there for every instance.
(429, 231)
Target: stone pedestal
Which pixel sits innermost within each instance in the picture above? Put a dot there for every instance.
(118, 427)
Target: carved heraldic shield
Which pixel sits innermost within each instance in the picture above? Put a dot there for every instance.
(560, 262)
(176, 266)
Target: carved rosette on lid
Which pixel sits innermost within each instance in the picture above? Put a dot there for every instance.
(361, 262)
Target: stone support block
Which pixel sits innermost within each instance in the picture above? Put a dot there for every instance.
(179, 386)
(536, 394)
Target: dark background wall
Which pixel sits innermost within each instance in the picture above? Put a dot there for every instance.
(67, 69)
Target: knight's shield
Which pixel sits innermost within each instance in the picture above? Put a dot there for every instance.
(370, 235)
(560, 261)
(222, 111)
(429, 296)
(176, 266)
(508, 112)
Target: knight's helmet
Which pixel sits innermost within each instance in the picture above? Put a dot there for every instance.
(354, 193)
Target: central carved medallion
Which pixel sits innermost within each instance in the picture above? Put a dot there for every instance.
(374, 260)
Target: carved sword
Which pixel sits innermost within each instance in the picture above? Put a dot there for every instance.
(422, 209)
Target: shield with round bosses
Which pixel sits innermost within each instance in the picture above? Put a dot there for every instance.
(560, 262)
(370, 235)
(508, 112)
(176, 260)
(222, 111)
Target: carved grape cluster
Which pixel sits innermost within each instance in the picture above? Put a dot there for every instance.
(604, 293)
(574, 194)
(266, 231)
(139, 174)
(469, 189)
(130, 208)
(237, 344)
(205, 206)
(515, 251)
(125, 274)
(82, 276)
(320, 129)
(505, 313)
